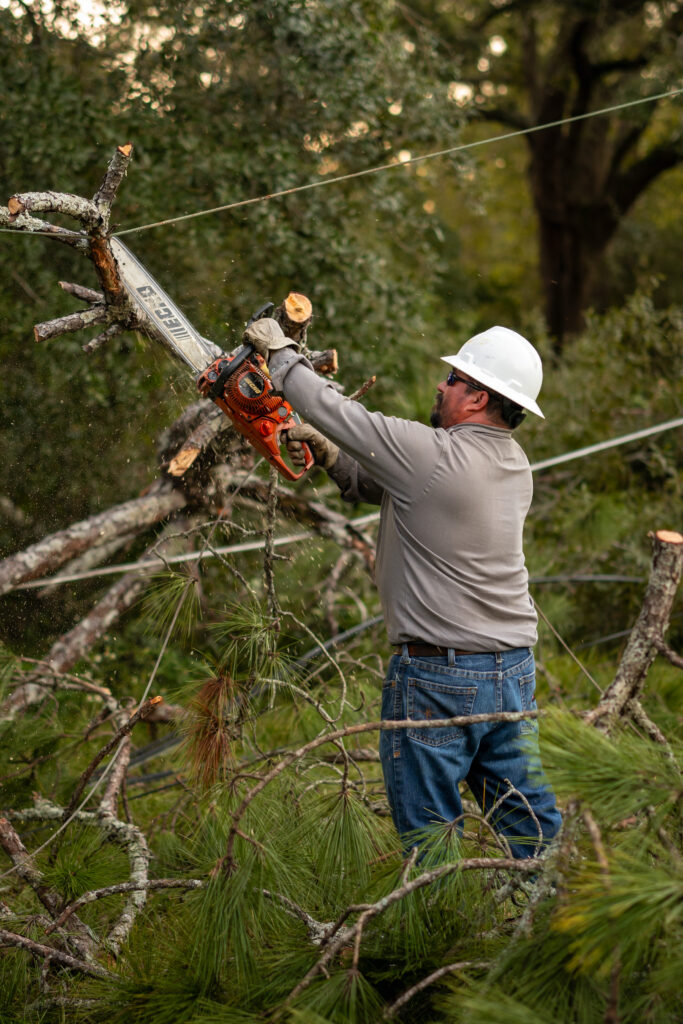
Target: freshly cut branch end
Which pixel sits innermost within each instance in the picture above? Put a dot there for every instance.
(294, 316)
(325, 362)
(669, 537)
(298, 308)
(126, 149)
(183, 460)
(15, 207)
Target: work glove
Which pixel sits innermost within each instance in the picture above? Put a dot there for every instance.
(324, 453)
(266, 336)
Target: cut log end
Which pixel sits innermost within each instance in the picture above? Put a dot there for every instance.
(669, 537)
(183, 460)
(298, 308)
(126, 149)
(325, 362)
(15, 206)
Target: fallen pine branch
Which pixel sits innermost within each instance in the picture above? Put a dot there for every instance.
(461, 965)
(227, 862)
(121, 833)
(120, 733)
(151, 885)
(38, 950)
(82, 937)
(342, 936)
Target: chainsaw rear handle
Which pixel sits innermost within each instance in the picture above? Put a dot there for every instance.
(305, 447)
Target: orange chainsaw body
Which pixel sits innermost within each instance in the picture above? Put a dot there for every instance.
(240, 385)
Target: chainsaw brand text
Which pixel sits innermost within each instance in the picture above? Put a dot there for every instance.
(162, 313)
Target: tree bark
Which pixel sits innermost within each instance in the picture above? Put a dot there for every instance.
(52, 552)
(585, 174)
(647, 634)
(50, 953)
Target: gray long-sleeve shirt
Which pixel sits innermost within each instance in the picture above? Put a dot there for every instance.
(450, 564)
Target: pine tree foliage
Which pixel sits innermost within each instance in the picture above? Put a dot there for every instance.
(171, 601)
(617, 776)
(286, 832)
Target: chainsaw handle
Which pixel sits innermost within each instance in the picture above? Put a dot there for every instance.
(305, 447)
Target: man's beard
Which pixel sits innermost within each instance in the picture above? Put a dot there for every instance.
(435, 415)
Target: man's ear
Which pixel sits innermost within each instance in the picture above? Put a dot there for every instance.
(479, 400)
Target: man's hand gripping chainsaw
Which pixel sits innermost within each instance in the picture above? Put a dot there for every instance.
(238, 382)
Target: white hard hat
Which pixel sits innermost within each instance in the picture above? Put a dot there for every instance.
(504, 361)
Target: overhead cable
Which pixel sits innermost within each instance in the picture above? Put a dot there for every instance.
(321, 182)
(158, 564)
(604, 445)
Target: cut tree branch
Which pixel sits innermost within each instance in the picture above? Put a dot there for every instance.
(368, 911)
(152, 885)
(82, 938)
(70, 323)
(120, 733)
(122, 834)
(34, 226)
(227, 863)
(118, 166)
(461, 965)
(79, 291)
(80, 209)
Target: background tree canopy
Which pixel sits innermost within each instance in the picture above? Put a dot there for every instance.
(528, 64)
(571, 235)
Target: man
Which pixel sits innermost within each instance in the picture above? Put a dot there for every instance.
(450, 574)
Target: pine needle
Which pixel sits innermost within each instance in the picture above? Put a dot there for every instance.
(160, 602)
(346, 997)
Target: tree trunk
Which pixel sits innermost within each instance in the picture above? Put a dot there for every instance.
(52, 552)
(576, 222)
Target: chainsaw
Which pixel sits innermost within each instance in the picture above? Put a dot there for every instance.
(238, 382)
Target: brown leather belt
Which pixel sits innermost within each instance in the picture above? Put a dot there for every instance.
(417, 649)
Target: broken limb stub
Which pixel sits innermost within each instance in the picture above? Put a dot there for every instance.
(647, 633)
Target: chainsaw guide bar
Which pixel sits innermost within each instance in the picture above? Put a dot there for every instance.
(177, 331)
(238, 382)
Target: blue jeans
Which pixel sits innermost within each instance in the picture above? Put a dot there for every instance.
(423, 767)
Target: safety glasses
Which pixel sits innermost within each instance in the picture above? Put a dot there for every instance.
(453, 378)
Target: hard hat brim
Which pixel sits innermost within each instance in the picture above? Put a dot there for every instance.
(489, 381)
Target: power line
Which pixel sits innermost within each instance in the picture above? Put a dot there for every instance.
(321, 182)
(158, 564)
(604, 445)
